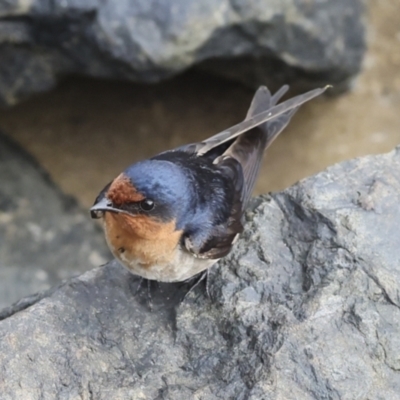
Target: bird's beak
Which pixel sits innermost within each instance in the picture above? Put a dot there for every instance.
(99, 208)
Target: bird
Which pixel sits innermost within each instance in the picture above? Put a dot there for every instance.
(171, 217)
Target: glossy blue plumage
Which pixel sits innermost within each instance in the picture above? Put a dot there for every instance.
(197, 196)
(164, 180)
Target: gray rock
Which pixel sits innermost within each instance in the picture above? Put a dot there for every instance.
(305, 307)
(44, 235)
(256, 41)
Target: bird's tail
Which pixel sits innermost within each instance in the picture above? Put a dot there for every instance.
(263, 100)
(249, 148)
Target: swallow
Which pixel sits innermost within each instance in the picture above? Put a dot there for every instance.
(173, 216)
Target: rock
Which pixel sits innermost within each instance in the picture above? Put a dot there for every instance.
(44, 235)
(254, 41)
(307, 306)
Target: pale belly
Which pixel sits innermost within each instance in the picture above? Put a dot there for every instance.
(182, 267)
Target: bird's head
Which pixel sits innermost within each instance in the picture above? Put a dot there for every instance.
(155, 188)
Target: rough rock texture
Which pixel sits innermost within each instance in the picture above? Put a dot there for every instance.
(307, 306)
(44, 235)
(312, 42)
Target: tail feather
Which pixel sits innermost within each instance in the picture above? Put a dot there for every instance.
(262, 100)
(249, 148)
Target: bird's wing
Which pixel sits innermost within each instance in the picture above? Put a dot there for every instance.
(256, 119)
(221, 237)
(241, 159)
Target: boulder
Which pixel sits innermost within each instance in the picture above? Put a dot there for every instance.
(44, 235)
(255, 41)
(307, 306)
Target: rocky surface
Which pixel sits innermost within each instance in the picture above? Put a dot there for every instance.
(44, 235)
(307, 306)
(309, 43)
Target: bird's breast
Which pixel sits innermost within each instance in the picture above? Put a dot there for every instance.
(151, 249)
(140, 237)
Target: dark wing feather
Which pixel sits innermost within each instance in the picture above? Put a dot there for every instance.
(223, 235)
(239, 157)
(254, 121)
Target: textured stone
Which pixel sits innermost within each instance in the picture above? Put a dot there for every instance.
(256, 41)
(305, 307)
(44, 235)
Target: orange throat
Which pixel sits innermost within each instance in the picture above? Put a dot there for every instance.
(140, 239)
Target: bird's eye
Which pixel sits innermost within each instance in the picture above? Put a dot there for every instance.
(147, 205)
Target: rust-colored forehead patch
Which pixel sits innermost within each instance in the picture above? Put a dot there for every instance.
(121, 191)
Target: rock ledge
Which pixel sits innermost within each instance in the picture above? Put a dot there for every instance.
(307, 306)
